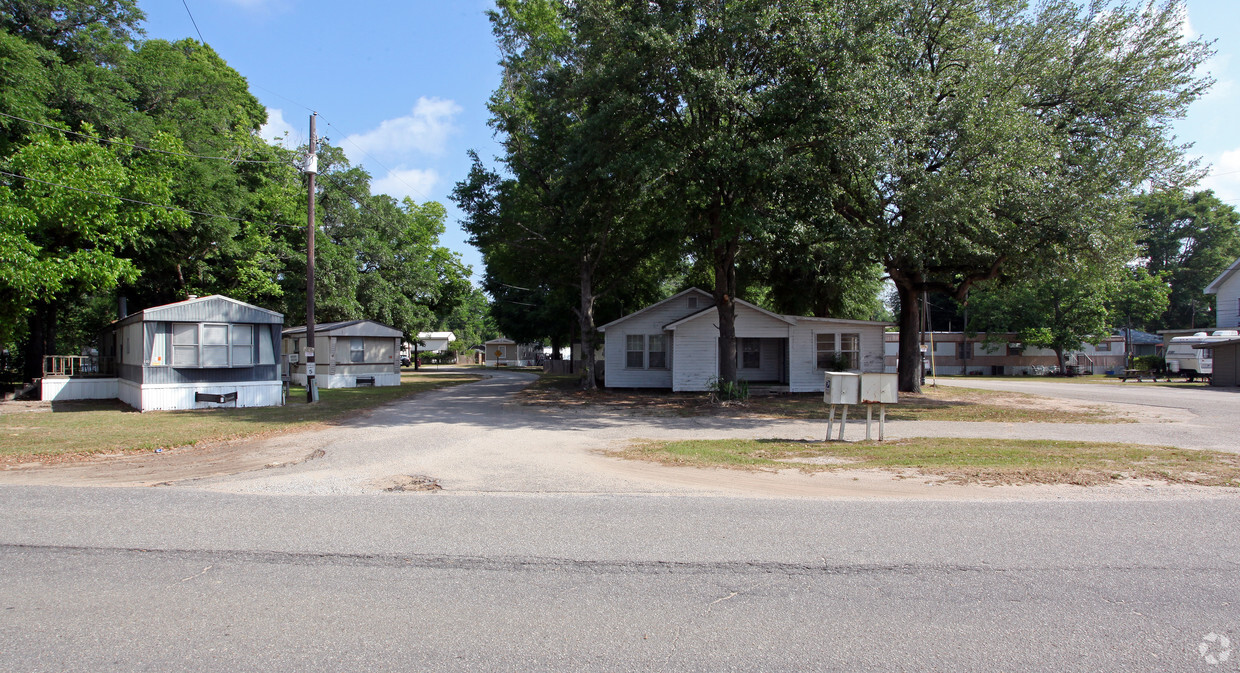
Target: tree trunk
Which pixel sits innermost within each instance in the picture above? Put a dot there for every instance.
(725, 301)
(41, 339)
(1063, 369)
(585, 317)
(908, 367)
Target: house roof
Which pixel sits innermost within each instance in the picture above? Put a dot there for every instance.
(501, 340)
(741, 302)
(368, 328)
(437, 335)
(212, 308)
(1214, 287)
(692, 290)
(1139, 337)
(846, 321)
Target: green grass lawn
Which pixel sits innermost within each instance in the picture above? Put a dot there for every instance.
(987, 461)
(109, 426)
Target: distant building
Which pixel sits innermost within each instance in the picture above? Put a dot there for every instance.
(956, 353)
(347, 354)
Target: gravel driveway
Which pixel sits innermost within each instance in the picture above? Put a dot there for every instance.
(473, 438)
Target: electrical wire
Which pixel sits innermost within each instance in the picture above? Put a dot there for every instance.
(191, 20)
(140, 147)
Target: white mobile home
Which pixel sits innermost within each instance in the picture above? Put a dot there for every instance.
(346, 354)
(675, 344)
(194, 354)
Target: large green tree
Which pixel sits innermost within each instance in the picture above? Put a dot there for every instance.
(1190, 238)
(1011, 137)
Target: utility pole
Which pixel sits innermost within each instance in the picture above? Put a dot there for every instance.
(312, 169)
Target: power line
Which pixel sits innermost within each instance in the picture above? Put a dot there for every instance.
(140, 147)
(191, 20)
(145, 203)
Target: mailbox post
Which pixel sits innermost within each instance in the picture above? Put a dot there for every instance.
(880, 389)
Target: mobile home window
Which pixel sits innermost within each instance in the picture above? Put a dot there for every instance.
(214, 345)
(634, 351)
(357, 350)
(751, 354)
(658, 351)
(242, 345)
(185, 344)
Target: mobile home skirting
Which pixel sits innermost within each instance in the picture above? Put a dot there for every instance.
(169, 397)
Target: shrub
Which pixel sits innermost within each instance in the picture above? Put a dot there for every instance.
(726, 391)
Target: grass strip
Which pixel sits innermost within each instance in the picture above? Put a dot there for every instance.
(984, 461)
(932, 404)
(111, 426)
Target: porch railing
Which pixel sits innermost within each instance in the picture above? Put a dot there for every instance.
(78, 365)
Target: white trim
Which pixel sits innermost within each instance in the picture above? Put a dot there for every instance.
(1213, 287)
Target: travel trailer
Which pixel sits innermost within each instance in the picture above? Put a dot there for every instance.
(1190, 356)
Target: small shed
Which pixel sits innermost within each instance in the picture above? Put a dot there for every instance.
(1226, 363)
(199, 353)
(500, 352)
(346, 354)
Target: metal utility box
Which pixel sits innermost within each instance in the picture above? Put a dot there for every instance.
(879, 388)
(842, 388)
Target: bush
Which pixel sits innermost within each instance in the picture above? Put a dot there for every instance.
(726, 391)
(1153, 363)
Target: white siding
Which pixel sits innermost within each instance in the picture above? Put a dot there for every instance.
(696, 359)
(167, 397)
(650, 322)
(1227, 303)
(61, 389)
(806, 377)
(343, 380)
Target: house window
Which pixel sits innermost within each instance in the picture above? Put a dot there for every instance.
(357, 349)
(635, 351)
(185, 344)
(242, 345)
(693, 302)
(824, 348)
(751, 354)
(966, 350)
(850, 349)
(1015, 349)
(1105, 346)
(658, 351)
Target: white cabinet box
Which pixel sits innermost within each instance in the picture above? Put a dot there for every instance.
(879, 388)
(842, 388)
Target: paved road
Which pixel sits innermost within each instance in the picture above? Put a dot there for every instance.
(1205, 417)
(175, 579)
(539, 555)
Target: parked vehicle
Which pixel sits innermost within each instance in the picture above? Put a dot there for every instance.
(1186, 358)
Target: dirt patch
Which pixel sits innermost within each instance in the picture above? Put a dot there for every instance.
(407, 483)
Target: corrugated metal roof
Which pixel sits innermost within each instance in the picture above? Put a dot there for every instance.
(212, 308)
(348, 328)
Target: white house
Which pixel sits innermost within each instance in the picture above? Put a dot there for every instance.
(1226, 291)
(434, 342)
(675, 344)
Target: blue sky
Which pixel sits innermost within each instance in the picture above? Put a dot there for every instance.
(402, 86)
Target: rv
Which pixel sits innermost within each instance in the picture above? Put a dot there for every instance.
(1190, 355)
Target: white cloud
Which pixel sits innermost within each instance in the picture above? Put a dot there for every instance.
(415, 183)
(276, 130)
(424, 130)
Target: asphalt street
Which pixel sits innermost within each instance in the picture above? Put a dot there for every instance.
(301, 569)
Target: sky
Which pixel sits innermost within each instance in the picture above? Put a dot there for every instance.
(402, 85)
